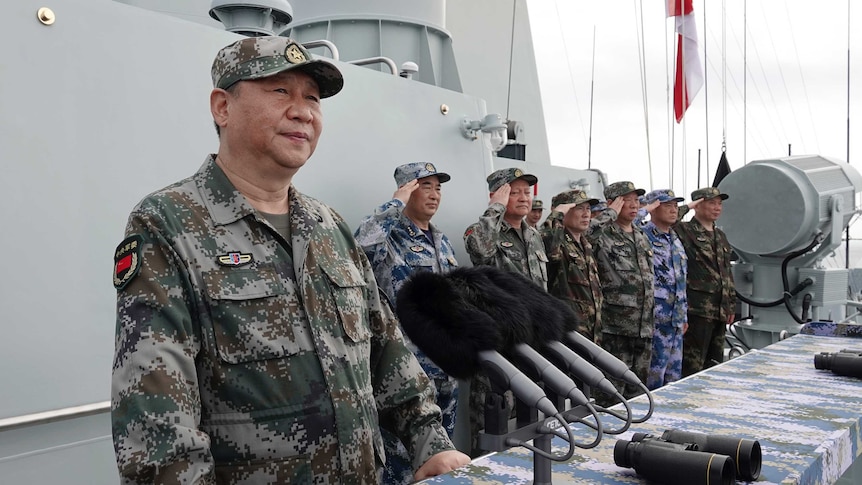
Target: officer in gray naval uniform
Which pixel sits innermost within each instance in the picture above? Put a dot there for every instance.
(399, 240)
(251, 343)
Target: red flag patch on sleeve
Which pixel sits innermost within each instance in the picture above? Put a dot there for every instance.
(127, 260)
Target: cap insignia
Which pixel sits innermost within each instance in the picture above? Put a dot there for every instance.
(294, 55)
(430, 167)
(518, 173)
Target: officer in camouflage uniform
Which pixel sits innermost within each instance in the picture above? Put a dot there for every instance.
(624, 257)
(535, 214)
(502, 238)
(573, 275)
(251, 343)
(710, 288)
(670, 269)
(399, 240)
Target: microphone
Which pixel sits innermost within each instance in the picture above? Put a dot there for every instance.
(551, 375)
(602, 358)
(582, 369)
(507, 375)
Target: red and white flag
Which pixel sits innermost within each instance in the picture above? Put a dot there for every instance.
(689, 74)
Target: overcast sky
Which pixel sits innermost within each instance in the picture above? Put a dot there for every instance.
(797, 85)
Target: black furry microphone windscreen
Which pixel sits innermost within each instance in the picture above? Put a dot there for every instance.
(453, 316)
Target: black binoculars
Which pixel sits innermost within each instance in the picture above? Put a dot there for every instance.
(681, 457)
(845, 363)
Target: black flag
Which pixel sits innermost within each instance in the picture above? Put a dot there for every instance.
(722, 171)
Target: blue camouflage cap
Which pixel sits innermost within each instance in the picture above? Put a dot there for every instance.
(417, 170)
(260, 57)
(707, 193)
(662, 195)
(598, 206)
(508, 175)
(617, 189)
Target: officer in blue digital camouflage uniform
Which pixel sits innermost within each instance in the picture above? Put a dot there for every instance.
(670, 268)
(399, 240)
(251, 342)
(624, 257)
(710, 287)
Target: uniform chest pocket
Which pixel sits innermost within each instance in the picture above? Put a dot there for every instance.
(348, 293)
(511, 251)
(623, 258)
(254, 317)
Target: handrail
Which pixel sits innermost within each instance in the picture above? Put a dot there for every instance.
(377, 60)
(45, 417)
(323, 43)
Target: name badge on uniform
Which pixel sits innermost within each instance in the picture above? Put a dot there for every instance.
(507, 244)
(417, 249)
(234, 258)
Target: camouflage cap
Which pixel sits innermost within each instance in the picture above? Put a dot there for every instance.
(708, 193)
(508, 175)
(537, 204)
(662, 195)
(260, 57)
(598, 206)
(617, 189)
(575, 196)
(417, 170)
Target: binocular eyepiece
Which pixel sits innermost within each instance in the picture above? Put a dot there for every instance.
(681, 457)
(845, 363)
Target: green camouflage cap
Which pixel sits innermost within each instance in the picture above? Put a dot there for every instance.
(573, 197)
(537, 204)
(259, 57)
(417, 170)
(617, 189)
(707, 193)
(508, 175)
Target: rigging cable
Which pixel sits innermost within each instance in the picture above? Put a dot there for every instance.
(639, 20)
(511, 59)
(572, 80)
(745, 82)
(723, 76)
(783, 80)
(802, 77)
(705, 98)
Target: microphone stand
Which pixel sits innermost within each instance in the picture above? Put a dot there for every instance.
(497, 437)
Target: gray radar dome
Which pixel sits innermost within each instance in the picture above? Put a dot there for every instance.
(778, 206)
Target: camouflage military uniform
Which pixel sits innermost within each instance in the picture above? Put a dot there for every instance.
(626, 272)
(397, 248)
(245, 357)
(711, 294)
(573, 275)
(671, 307)
(494, 242)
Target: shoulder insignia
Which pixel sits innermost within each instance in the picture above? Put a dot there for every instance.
(127, 260)
(468, 231)
(417, 249)
(234, 259)
(452, 261)
(506, 244)
(573, 255)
